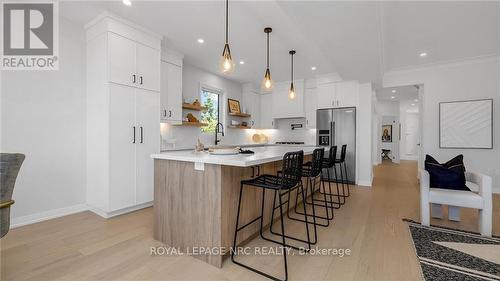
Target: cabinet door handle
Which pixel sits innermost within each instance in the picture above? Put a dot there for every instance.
(133, 78)
(142, 135)
(253, 123)
(133, 141)
(170, 113)
(164, 113)
(140, 79)
(307, 121)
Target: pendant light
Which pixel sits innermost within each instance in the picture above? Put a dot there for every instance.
(226, 64)
(267, 83)
(291, 92)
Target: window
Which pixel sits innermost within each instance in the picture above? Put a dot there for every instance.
(210, 99)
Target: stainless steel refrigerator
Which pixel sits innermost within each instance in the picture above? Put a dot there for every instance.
(337, 126)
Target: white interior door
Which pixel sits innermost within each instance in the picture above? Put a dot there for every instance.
(148, 67)
(122, 139)
(121, 54)
(148, 142)
(412, 134)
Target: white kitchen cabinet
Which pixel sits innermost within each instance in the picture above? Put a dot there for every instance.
(133, 64)
(347, 94)
(147, 143)
(148, 67)
(251, 102)
(266, 112)
(121, 157)
(339, 94)
(283, 107)
(133, 137)
(326, 95)
(123, 128)
(171, 92)
(311, 102)
(121, 53)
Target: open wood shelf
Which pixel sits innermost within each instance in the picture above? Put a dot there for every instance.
(194, 124)
(240, 114)
(193, 107)
(239, 127)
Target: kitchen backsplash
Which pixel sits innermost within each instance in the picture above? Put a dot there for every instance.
(187, 137)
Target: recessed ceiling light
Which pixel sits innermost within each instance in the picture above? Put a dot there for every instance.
(423, 54)
(127, 2)
(242, 62)
(393, 91)
(393, 97)
(416, 100)
(313, 68)
(200, 40)
(412, 104)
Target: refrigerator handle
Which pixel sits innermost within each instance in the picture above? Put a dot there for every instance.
(332, 133)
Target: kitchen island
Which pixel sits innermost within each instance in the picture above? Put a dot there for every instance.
(196, 197)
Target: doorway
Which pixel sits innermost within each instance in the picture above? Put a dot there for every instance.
(398, 111)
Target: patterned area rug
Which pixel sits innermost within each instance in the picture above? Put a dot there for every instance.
(447, 254)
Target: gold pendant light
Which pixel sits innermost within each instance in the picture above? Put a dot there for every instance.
(226, 64)
(291, 92)
(267, 83)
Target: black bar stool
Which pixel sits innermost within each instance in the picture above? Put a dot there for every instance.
(289, 179)
(341, 162)
(327, 165)
(312, 171)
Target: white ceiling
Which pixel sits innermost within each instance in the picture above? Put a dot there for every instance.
(359, 40)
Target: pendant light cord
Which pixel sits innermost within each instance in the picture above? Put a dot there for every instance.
(267, 52)
(292, 69)
(227, 20)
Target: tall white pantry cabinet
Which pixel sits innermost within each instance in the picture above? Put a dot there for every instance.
(123, 126)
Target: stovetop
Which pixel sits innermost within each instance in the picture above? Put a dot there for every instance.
(289, 142)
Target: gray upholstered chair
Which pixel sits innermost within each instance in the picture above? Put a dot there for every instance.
(10, 164)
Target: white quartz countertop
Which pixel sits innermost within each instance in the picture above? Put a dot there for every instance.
(263, 154)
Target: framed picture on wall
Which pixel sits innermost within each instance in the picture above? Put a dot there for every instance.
(233, 106)
(386, 133)
(466, 124)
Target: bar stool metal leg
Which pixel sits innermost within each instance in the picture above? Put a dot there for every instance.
(300, 189)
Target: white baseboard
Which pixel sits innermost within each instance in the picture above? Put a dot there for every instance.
(115, 213)
(61, 212)
(409, 157)
(365, 183)
(47, 215)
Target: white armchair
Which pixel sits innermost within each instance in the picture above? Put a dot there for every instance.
(480, 197)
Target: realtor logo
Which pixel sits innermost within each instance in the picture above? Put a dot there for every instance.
(30, 36)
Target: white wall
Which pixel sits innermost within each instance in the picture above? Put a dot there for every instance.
(468, 80)
(376, 158)
(364, 135)
(43, 117)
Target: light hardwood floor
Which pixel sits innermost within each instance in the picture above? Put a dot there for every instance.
(86, 247)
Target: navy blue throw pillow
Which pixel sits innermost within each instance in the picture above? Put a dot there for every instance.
(449, 175)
